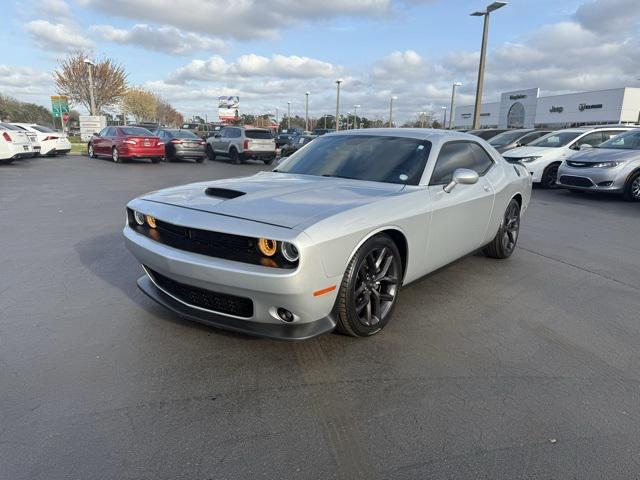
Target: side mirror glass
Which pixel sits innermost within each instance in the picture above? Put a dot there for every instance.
(462, 176)
(585, 146)
(96, 134)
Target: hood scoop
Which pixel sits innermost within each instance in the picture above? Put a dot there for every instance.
(225, 193)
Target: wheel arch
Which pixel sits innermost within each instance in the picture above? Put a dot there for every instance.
(398, 236)
(631, 174)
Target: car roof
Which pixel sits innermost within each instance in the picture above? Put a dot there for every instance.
(430, 134)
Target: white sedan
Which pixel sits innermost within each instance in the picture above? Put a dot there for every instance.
(14, 144)
(51, 141)
(328, 238)
(542, 157)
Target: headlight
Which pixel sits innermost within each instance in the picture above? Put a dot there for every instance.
(606, 164)
(528, 159)
(289, 251)
(151, 221)
(267, 247)
(139, 217)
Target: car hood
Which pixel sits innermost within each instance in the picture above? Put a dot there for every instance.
(279, 199)
(605, 155)
(522, 152)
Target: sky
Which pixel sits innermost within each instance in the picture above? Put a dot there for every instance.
(269, 52)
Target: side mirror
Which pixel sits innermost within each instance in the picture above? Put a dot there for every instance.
(96, 134)
(462, 176)
(585, 146)
(217, 135)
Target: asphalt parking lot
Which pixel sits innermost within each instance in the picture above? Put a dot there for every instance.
(525, 368)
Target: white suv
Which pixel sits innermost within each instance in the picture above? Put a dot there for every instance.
(542, 157)
(240, 143)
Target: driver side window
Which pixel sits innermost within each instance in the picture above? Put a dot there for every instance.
(460, 154)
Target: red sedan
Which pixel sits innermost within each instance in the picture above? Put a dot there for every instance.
(120, 143)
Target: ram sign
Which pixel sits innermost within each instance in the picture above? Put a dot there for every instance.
(228, 108)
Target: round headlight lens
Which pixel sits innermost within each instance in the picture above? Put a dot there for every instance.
(290, 252)
(267, 247)
(138, 217)
(151, 221)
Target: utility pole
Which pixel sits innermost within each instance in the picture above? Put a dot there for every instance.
(391, 110)
(91, 94)
(306, 112)
(452, 110)
(288, 115)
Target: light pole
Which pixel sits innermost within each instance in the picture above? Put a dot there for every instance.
(391, 109)
(306, 112)
(338, 82)
(483, 54)
(288, 115)
(355, 116)
(422, 114)
(444, 118)
(277, 123)
(452, 110)
(90, 66)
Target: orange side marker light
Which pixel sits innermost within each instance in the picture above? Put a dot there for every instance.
(319, 293)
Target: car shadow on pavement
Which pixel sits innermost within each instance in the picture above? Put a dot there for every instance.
(107, 257)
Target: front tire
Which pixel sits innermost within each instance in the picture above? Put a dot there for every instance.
(235, 158)
(550, 176)
(90, 151)
(504, 243)
(210, 153)
(370, 287)
(632, 188)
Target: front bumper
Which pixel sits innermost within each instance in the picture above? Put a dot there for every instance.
(267, 288)
(280, 331)
(591, 179)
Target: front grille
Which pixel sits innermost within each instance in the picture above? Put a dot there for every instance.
(579, 164)
(207, 299)
(575, 181)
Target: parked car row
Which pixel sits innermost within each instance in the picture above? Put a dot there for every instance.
(25, 140)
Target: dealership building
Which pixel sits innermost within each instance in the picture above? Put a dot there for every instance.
(527, 109)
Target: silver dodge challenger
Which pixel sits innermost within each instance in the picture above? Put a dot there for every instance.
(327, 239)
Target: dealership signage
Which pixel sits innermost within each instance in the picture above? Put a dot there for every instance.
(583, 106)
(556, 109)
(228, 108)
(517, 96)
(90, 124)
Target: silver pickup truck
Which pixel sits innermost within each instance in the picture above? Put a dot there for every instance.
(242, 143)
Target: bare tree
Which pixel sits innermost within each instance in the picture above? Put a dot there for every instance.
(142, 104)
(109, 81)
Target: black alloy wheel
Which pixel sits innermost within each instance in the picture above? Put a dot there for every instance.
(370, 287)
(235, 158)
(550, 176)
(210, 153)
(504, 243)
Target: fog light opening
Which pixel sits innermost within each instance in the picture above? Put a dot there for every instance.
(605, 184)
(285, 315)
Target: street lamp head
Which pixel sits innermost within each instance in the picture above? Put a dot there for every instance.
(444, 108)
(495, 6)
(339, 81)
(288, 103)
(478, 14)
(88, 62)
(394, 97)
(307, 93)
(457, 84)
(356, 106)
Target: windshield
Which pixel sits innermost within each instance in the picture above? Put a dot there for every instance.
(625, 141)
(506, 138)
(362, 157)
(555, 139)
(258, 134)
(42, 129)
(137, 131)
(182, 134)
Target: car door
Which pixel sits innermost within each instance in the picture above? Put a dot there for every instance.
(460, 218)
(219, 142)
(98, 142)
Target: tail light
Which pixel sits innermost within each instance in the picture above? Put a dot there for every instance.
(160, 144)
(7, 137)
(50, 138)
(129, 141)
(246, 144)
(174, 142)
(202, 142)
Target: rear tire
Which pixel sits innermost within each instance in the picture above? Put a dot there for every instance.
(369, 289)
(550, 176)
(233, 155)
(115, 155)
(504, 243)
(632, 188)
(268, 161)
(200, 160)
(211, 155)
(155, 160)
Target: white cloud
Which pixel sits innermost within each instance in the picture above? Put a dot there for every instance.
(56, 36)
(25, 83)
(253, 66)
(241, 19)
(54, 10)
(609, 16)
(164, 39)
